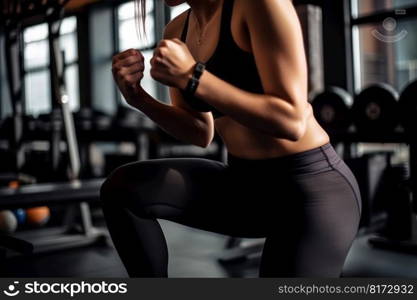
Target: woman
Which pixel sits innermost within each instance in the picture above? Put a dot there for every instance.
(237, 67)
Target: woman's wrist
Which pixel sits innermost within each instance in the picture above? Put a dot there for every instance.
(191, 79)
(185, 79)
(137, 99)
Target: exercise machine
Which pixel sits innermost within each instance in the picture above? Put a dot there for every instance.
(74, 192)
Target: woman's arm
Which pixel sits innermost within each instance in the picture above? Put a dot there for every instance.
(277, 46)
(185, 125)
(177, 119)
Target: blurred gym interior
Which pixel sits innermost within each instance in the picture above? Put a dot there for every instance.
(64, 127)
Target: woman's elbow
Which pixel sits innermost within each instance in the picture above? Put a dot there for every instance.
(204, 139)
(294, 129)
(203, 143)
(297, 132)
(299, 126)
(293, 132)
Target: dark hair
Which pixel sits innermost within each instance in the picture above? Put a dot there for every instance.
(140, 12)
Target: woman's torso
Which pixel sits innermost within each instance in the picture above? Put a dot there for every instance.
(240, 140)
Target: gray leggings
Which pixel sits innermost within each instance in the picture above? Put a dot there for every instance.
(307, 205)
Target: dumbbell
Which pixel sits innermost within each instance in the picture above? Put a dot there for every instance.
(408, 108)
(376, 109)
(331, 109)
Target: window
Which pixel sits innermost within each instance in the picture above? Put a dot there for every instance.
(129, 38)
(179, 9)
(366, 7)
(384, 47)
(36, 66)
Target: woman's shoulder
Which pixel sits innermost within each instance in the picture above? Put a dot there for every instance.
(174, 28)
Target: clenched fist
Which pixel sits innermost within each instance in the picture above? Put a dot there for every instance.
(128, 68)
(172, 63)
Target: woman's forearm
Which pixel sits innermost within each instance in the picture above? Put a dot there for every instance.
(266, 113)
(172, 119)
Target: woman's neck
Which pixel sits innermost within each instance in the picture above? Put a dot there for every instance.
(204, 9)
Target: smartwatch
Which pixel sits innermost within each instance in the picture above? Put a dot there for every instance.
(195, 78)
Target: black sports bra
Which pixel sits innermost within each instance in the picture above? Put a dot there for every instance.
(229, 62)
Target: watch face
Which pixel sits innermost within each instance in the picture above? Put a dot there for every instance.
(200, 67)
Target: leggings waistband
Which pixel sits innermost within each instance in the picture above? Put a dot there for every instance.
(306, 161)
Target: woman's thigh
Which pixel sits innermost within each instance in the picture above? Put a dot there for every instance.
(319, 229)
(201, 193)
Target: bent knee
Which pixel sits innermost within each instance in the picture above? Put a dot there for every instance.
(119, 185)
(131, 184)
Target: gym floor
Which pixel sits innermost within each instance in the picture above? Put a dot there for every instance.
(196, 260)
(199, 259)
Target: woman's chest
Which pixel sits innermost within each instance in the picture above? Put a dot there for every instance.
(204, 44)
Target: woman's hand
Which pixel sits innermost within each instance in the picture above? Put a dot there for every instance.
(128, 68)
(172, 63)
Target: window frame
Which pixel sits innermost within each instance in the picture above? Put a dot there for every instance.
(47, 67)
(376, 17)
(159, 13)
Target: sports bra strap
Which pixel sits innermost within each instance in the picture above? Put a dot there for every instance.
(225, 33)
(185, 28)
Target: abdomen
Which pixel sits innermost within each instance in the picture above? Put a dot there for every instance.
(253, 144)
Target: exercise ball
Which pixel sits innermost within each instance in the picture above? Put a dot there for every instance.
(38, 216)
(8, 221)
(20, 215)
(14, 184)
